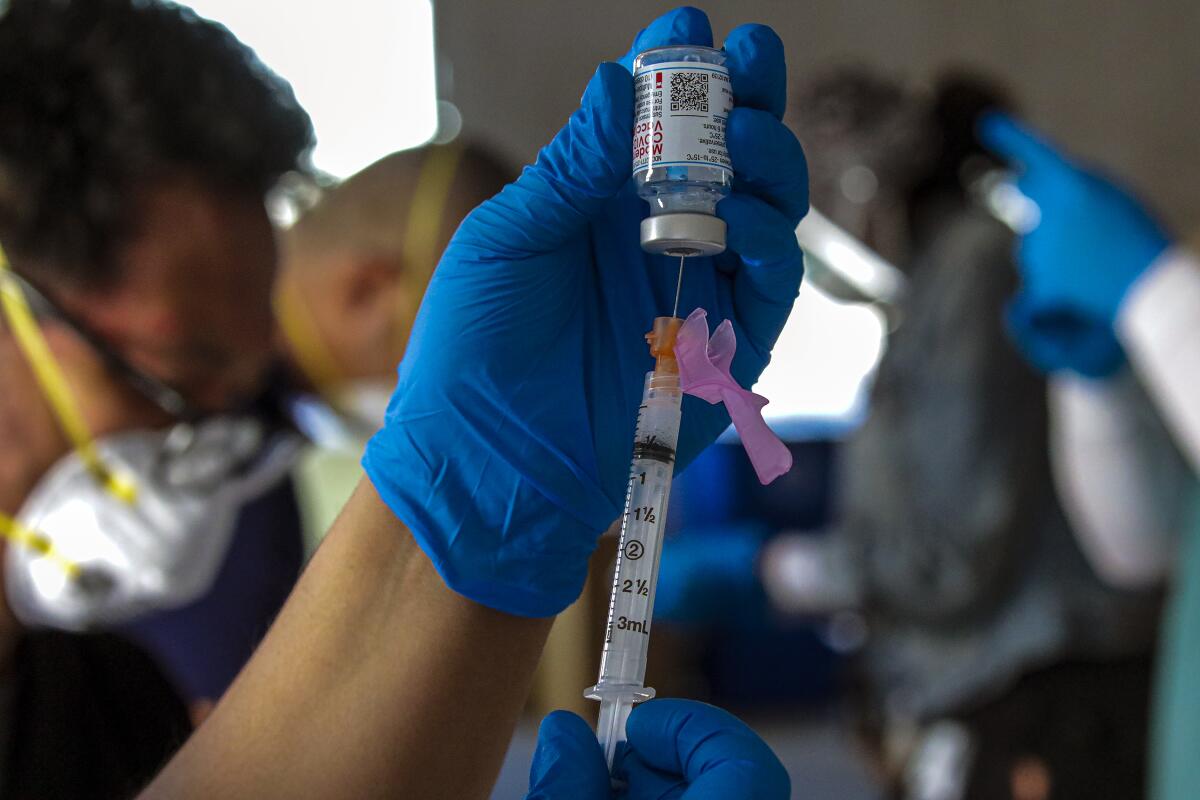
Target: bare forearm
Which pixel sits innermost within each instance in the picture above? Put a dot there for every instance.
(375, 679)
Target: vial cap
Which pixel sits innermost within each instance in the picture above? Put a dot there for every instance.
(683, 234)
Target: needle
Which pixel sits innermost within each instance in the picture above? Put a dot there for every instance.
(678, 286)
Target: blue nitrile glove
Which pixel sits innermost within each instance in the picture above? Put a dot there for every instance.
(507, 443)
(676, 749)
(1093, 242)
(1053, 343)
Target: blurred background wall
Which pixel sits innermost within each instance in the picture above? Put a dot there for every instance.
(1115, 80)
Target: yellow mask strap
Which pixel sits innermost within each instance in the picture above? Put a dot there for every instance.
(54, 385)
(16, 532)
(426, 215)
(312, 354)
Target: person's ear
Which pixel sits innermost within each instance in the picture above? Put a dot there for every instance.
(378, 302)
(372, 281)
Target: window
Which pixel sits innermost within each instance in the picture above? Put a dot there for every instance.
(820, 372)
(364, 69)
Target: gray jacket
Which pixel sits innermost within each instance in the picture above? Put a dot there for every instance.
(969, 572)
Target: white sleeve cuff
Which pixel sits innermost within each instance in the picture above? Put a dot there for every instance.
(1109, 471)
(1159, 325)
(1103, 410)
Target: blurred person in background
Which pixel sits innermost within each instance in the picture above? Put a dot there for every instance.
(354, 267)
(996, 664)
(143, 463)
(353, 270)
(1108, 306)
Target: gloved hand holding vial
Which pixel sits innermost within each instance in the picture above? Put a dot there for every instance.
(507, 444)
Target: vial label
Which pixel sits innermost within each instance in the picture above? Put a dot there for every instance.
(680, 108)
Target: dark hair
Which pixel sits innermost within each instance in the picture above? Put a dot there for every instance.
(854, 115)
(98, 98)
(960, 97)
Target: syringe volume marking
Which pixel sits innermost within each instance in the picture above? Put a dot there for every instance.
(653, 451)
(645, 514)
(638, 626)
(642, 587)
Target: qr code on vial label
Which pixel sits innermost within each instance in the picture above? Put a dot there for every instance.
(689, 91)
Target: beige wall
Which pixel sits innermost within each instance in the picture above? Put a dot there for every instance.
(1116, 79)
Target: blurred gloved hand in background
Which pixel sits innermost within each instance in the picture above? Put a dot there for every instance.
(507, 441)
(676, 749)
(1093, 242)
(1057, 341)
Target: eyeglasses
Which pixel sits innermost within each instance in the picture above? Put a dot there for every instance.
(156, 391)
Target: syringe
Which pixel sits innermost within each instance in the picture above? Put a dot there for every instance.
(623, 663)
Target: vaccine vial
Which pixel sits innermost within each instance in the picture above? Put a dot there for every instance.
(682, 98)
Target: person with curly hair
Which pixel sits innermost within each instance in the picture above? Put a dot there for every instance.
(137, 144)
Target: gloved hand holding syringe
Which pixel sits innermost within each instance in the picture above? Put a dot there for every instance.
(681, 166)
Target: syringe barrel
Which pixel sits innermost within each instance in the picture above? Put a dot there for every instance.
(623, 664)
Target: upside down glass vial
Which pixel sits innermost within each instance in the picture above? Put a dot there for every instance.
(682, 98)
